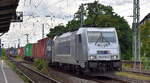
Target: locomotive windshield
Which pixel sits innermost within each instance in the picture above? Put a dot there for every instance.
(95, 37)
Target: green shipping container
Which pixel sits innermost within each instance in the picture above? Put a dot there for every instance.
(28, 50)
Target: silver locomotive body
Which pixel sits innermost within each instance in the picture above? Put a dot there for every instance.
(91, 49)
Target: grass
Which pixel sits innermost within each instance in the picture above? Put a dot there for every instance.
(133, 75)
(127, 66)
(18, 58)
(41, 65)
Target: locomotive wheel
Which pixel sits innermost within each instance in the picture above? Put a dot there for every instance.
(78, 70)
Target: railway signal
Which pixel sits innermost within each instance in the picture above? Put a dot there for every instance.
(17, 17)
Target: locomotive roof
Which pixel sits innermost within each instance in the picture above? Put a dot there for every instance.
(65, 34)
(95, 29)
(82, 29)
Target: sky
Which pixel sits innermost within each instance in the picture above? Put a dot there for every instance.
(54, 12)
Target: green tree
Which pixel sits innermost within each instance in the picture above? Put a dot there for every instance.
(145, 39)
(57, 30)
(73, 25)
(105, 17)
(99, 15)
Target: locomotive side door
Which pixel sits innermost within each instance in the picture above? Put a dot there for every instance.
(79, 52)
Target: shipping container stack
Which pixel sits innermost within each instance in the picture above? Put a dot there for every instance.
(28, 52)
(13, 52)
(21, 51)
(41, 48)
(35, 50)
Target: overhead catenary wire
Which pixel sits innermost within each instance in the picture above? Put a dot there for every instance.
(52, 7)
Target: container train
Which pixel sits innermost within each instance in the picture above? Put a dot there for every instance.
(12, 52)
(87, 50)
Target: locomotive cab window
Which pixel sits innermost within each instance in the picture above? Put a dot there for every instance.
(101, 37)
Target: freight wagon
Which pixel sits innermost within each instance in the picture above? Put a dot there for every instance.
(13, 52)
(21, 51)
(28, 52)
(35, 50)
(41, 47)
(39, 50)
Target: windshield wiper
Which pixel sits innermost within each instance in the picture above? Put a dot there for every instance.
(98, 38)
(102, 39)
(105, 40)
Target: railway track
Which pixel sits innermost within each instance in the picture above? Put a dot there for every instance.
(33, 75)
(104, 78)
(120, 79)
(108, 79)
(137, 70)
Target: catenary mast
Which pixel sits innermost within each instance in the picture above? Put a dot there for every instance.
(136, 31)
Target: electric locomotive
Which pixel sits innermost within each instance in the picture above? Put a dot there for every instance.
(89, 50)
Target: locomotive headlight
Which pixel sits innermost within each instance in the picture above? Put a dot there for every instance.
(92, 57)
(114, 57)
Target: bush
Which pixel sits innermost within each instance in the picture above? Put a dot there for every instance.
(126, 57)
(41, 64)
(4, 54)
(146, 62)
